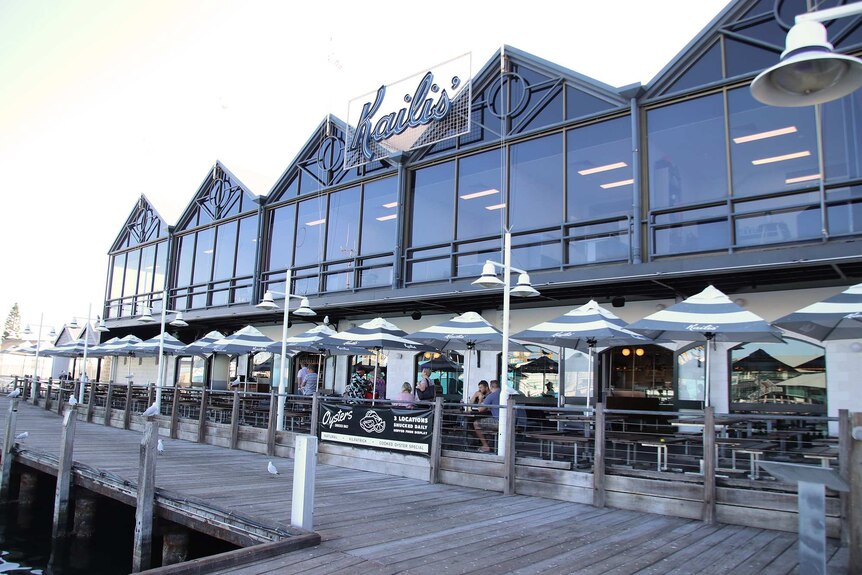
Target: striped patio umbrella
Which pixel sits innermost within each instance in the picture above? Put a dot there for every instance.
(150, 347)
(836, 317)
(306, 341)
(583, 328)
(100, 349)
(247, 340)
(373, 336)
(707, 316)
(203, 346)
(468, 331)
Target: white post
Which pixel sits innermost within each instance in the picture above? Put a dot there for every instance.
(86, 346)
(304, 470)
(504, 360)
(159, 380)
(33, 390)
(282, 385)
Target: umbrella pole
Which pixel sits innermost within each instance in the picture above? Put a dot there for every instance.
(465, 385)
(709, 337)
(376, 366)
(319, 381)
(592, 375)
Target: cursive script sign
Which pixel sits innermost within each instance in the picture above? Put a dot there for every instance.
(701, 327)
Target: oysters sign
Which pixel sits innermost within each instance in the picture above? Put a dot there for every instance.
(414, 112)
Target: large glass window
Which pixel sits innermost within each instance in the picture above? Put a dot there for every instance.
(246, 249)
(310, 227)
(160, 266)
(225, 251)
(133, 260)
(687, 156)
(433, 204)
(772, 149)
(599, 172)
(481, 200)
(536, 181)
(342, 225)
(145, 277)
(789, 374)
(119, 268)
(184, 265)
(203, 256)
(842, 149)
(379, 216)
(282, 226)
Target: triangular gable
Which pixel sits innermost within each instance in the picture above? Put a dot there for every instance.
(751, 36)
(542, 94)
(69, 334)
(220, 195)
(320, 164)
(143, 225)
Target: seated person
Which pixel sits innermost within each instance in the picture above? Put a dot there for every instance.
(425, 389)
(357, 385)
(404, 397)
(438, 387)
(479, 395)
(491, 409)
(309, 385)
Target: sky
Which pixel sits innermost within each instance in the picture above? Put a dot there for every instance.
(103, 101)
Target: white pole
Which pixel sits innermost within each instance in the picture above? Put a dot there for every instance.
(86, 346)
(36, 374)
(159, 380)
(465, 389)
(282, 389)
(709, 337)
(504, 385)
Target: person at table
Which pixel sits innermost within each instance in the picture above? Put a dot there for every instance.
(425, 389)
(479, 395)
(310, 382)
(404, 398)
(358, 384)
(380, 387)
(490, 408)
(300, 376)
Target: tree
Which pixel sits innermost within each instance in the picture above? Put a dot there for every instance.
(12, 328)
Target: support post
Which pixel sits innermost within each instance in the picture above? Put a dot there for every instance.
(708, 511)
(109, 402)
(175, 413)
(127, 413)
(599, 457)
(509, 453)
(304, 471)
(271, 424)
(436, 440)
(60, 399)
(845, 442)
(855, 499)
(84, 521)
(315, 413)
(812, 528)
(234, 421)
(91, 403)
(144, 507)
(27, 488)
(36, 391)
(8, 445)
(175, 545)
(64, 474)
(202, 416)
(48, 397)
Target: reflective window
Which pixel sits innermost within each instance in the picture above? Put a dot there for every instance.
(691, 374)
(246, 249)
(792, 373)
(842, 149)
(118, 268)
(145, 278)
(433, 193)
(536, 183)
(311, 221)
(161, 266)
(203, 256)
(379, 216)
(696, 237)
(599, 172)
(343, 224)
(687, 157)
(132, 262)
(282, 223)
(184, 267)
(536, 251)
(772, 148)
(225, 251)
(481, 201)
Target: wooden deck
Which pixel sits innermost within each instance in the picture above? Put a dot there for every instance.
(379, 524)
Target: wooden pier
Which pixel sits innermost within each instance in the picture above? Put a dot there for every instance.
(374, 523)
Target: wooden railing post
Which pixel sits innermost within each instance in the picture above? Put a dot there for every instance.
(8, 445)
(127, 413)
(854, 519)
(844, 445)
(202, 416)
(60, 399)
(145, 503)
(708, 511)
(25, 389)
(315, 414)
(175, 413)
(599, 458)
(234, 420)
(91, 403)
(109, 402)
(436, 440)
(36, 392)
(64, 474)
(509, 459)
(48, 397)
(271, 424)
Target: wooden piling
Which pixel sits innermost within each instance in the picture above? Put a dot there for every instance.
(175, 545)
(599, 458)
(109, 401)
(60, 399)
(175, 413)
(271, 424)
(234, 421)
(145, 503)
(91, 403)
(27, 488)
(708, 509)
(37, 390)
(47, 405)
(84, 521)
(202, 416)
(8, 445)
(127, 413)
(64, 474)
(315, 414)
(436, 440)
(509, 438)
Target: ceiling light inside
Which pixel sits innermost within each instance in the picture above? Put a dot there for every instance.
(495, 207)
(764, 135)
(604, 168)
(617, 184)
(483, 193)
(774, 159)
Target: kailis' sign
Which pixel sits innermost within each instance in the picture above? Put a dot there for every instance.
(414, 112)
(380, 427)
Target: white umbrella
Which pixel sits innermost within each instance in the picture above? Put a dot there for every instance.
(836, 317)
(202, 346)
(247, 340)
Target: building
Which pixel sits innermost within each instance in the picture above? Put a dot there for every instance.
(635, 197)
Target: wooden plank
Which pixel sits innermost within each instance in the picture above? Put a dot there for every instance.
(469, 480)
(143, 540)
(662, 488)
(708, 512)
(487, 465)
(599, 495)
(437, 435)
(64, 475)
(554, 491)
(769, 519)
(650, 504)
(556, 476)
(8, 444)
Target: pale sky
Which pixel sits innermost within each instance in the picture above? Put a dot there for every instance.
(101, 101)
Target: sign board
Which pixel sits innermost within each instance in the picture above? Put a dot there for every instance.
(416, 111)
(383, 427)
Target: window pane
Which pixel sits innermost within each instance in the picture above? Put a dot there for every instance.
(841, 146)
(145, 278)
(779, 227)
(772, 149)
(159, 271)
(613, 247)
(132, 262)
(246, 251)
(184, 268)
(599, 175)
(691, 380)
(536, 183)
(544, 251)
(379, 216)
(793, 372)
(309, 231)
(692, 238)
(203, 256)
(430, 270)
(343, 224)
(281, 227)
(481, 204)
(680, 171)
(433, 205)
(117, 270)
(225, 251)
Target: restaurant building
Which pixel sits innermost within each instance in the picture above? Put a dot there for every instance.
(636, 197)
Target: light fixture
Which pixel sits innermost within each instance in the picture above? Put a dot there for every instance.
(304, 309)
(267, 302)
(524, 288)
(74, 323)
(605, 168)
(798, 179)
(386, 218)
(639, 352)
(146, 316)
(481, 194)
(101, 327)
(495, 207)
(618, 301)
(489, 277)
(179, 321)
(416, 315)
(27, 330)
(856, 347)
(764, 135)
(52, 333)
(809, 71)
(785, 157)
(626, 351)
(619, 184)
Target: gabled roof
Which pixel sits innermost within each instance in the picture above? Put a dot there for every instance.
(143, 225)
(220, 195)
